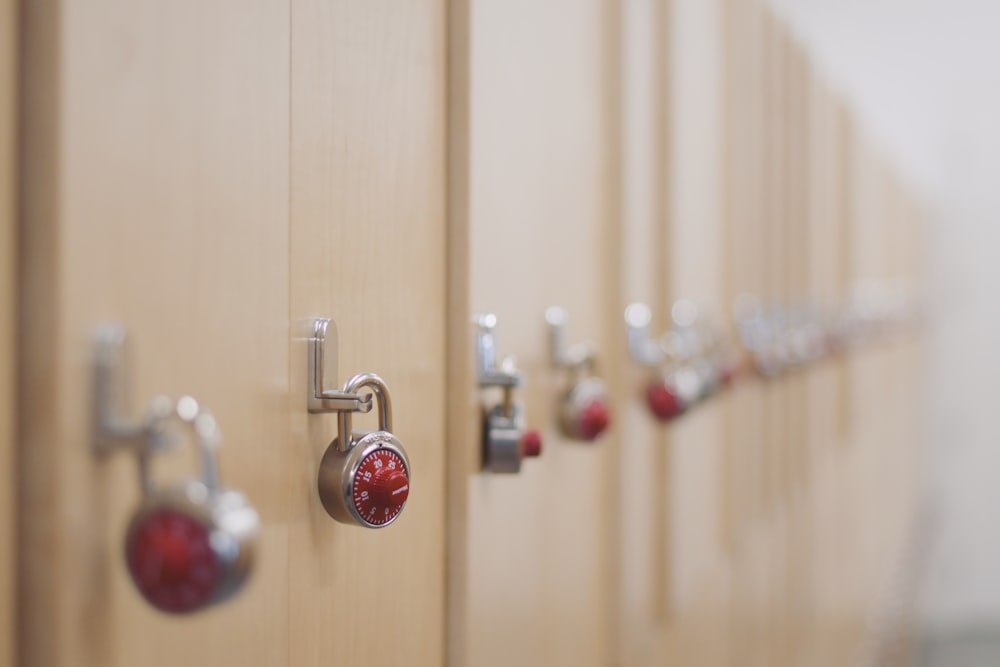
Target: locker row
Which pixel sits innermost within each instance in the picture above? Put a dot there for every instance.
(218, 177)
(192, 545)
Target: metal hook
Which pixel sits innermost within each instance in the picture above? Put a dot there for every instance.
(506, 374)
(643, 348)
(112, 430)
(151, 433)
(576, 357)
(321, 399)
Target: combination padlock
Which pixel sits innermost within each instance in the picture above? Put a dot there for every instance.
(758, 332)
(584, 412)
(364, 478)
(191, 546)
(673, 392)
(506, 441)
(709, 377)
(691, 358)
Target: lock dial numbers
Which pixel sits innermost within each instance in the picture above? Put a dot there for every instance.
(381, 487)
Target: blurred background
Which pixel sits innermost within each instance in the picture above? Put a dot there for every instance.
(924, 78)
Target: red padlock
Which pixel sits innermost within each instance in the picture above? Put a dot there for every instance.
(585, 414)
(365, 480)
(674, 392)
(664, 401)
(192, 546)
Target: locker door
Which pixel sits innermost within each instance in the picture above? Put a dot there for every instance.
(541, 232)
(747, 444)
(698, 567)
(212, 175)
(826, 241)
(8, 324)
(644, 475)
(156, 194)
(367, 248)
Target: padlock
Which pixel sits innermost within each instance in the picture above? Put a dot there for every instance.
(583, 409)
(191, 546)
(506, 441)
(709, 378)
(584, 413)
(673, 392)
(364, 478)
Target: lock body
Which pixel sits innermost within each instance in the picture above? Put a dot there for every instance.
(189, 548)
(369, 483)
(506, 443)
(709, 375)
(674, 392)
(364, 477)
(664, 401)
(584, 413)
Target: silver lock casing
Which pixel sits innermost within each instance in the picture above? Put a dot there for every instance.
(503, 433)
(338, 472)
(226, 514)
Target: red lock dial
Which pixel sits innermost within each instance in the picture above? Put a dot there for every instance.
(664, 402)
(170, 557)
(594, 419)
(381, 486)
(531, 444)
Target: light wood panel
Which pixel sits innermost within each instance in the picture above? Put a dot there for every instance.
(825, 280)
(463, 425)
(744, 142)
(368, 247)
(8, 325)
(245, 167)
(157, 195)
(163, 201)
(641, 533)
(699, 576)
(539, 213)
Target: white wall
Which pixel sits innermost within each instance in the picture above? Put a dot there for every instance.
(924, 77)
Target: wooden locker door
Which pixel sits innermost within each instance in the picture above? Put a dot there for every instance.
(644, 558)
(745, 268)
(213, 177)
(698, 582)
(541, 232)
(8, 325)
(368, 250)
(826, 241)
(156, 195)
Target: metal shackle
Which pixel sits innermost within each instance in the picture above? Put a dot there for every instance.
(381, 392)
(205, 431)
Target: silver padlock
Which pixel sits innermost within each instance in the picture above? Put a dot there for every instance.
(506, 440)
(760, 332)
(584, 412)
(693, 361)
(364, 478)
